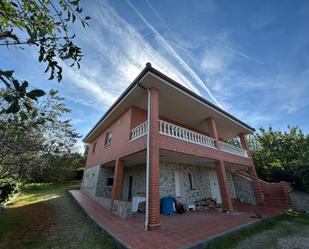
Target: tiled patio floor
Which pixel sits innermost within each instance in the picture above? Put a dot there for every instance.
(178, 231)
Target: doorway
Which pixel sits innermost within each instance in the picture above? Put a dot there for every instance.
(130, 186)
(214, 186)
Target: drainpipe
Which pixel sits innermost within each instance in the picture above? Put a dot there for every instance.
(147, 161)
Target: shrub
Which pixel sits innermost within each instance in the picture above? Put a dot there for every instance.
(7, 188)
(78, 174)
(304, 176)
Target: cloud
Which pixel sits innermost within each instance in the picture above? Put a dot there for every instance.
(76, 121)
(118, 53)
(215, 60)
(168, 48)
(89, 83)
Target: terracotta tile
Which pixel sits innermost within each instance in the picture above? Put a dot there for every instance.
(177, 231)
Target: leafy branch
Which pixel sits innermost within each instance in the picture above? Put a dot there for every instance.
(44, 24)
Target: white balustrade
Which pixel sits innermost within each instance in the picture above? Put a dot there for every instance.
(181, 133)
(233, 149)
(139, 131)
(172, 130)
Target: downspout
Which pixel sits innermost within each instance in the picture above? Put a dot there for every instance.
(147, 161)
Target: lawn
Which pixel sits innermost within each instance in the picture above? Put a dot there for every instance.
(288, 231)
(45, 216)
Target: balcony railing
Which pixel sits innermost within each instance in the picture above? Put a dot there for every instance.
(139, 131)
(181, 133)
(232, 149)
(172, 130)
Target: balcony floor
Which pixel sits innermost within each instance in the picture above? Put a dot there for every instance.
(178, 231)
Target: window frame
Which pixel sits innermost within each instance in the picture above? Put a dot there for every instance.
(108, 138)
(94, 146)
(191, 181)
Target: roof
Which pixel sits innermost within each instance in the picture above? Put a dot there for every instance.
(149, 68)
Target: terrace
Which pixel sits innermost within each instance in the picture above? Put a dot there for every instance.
(187, 135)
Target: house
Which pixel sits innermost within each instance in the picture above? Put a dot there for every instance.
(160, 139)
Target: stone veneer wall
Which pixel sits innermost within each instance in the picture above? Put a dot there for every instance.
(102, 189)
(231, 184)
(244, 189)
(300, 200)
(94, 184)
(167, 181)
(139, 181)
(200, 179)
(122, 208)
(90, 179)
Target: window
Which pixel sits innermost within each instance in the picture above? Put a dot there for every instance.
(191, 182)
(110, 181)
(93, 147)
(108, 138)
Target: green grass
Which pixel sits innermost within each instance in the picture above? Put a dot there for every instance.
(45, 216)
(290, 229)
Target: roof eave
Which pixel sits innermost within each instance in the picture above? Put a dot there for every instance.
(149, 68)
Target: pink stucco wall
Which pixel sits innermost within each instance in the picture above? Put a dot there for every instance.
(121, 145)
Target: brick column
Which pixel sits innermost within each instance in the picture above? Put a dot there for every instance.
(154, 167)
(220, 169)
(224, 186)
(253, 175)
(117, 185)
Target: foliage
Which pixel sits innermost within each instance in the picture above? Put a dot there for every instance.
(7, 188)
(281, 156)
(45, 216)
(78, 174)
(41, 148)
(303, 174)
(58, 168)
(44, 25)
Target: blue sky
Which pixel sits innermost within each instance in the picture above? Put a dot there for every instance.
(249, 57)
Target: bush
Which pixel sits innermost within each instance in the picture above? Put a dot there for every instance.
(7, 188)
(304, 176)
(78, 174)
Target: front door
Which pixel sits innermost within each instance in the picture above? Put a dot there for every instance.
(214, 186)
(178, 183)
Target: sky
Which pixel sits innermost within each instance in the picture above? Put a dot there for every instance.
(249, 57)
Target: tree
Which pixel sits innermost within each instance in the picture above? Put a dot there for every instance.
(29, 146)
(281, 156)
(45, 25)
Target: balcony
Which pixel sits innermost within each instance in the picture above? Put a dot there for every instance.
(139, 131)
(184, 134)
(181, 133)
(229, 148)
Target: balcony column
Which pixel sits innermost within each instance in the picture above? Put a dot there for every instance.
(253, 174)
(154, 165)
(220, 169)
(118, 177)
